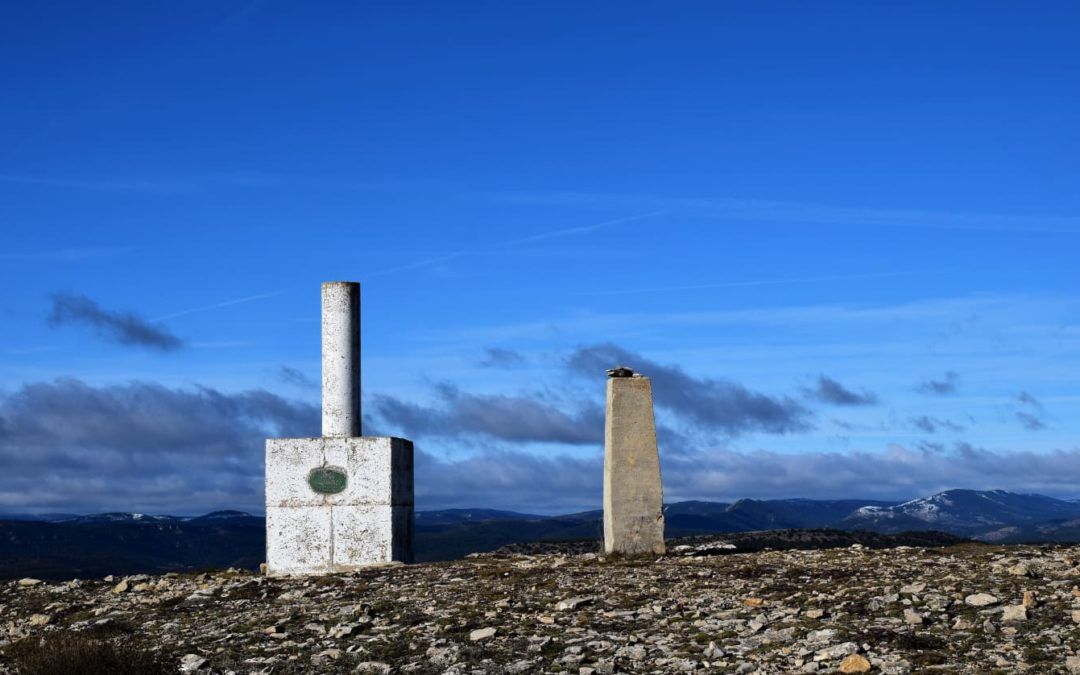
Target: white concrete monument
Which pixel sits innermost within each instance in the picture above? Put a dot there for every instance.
(341, 501)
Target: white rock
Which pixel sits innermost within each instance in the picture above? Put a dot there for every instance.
(912, 617)
(573, 603)
(1015, 613)
(823, 635)
(189, 663)
(836, 651)
(343, 630)
(29, 582)
(481, 634)
(632, 652)
(980, 600)
(442, 656)
(198, 598)
(713, 652)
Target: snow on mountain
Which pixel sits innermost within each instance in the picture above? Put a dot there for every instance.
(954, 510)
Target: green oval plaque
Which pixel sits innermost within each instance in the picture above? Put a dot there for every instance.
(327, 480)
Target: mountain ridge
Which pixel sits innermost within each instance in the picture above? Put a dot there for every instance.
(62, 545)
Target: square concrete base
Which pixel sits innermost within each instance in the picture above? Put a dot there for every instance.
(337, 504)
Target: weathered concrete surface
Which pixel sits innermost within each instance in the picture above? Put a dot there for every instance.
(633, 493)
(370, 521)
(341, 501)
(341, 358)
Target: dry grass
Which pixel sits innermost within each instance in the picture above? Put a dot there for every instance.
(67, 652)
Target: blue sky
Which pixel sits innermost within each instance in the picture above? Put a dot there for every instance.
(842, 234)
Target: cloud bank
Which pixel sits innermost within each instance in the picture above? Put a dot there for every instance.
(524, 482)
(507, 418)
(711, 404)
(66, 444)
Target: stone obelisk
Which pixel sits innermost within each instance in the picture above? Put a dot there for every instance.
(633, 493)
(340, 501)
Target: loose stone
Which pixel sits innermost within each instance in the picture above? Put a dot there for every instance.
(836, 651)
(855, 663)
(980, 600)
(1015, 613)
(481, 634)
(573, 603)
(190, 663)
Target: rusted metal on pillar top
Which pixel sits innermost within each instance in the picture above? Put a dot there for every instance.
(341, 359)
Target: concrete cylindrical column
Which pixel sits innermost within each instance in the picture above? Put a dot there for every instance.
(341, 358)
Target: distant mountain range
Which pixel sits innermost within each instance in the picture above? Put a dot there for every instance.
(61, 546)
(121, 517)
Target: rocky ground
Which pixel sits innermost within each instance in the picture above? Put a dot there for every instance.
(968, 608)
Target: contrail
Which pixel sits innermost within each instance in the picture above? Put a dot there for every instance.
(565, 232)
(227, 303)
(762, 282)
(420, 263)
(760, 210)
(570, 231)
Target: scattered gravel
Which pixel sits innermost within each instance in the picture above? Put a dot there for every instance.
(966, 609)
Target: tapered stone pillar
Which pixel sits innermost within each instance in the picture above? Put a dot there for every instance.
(633, 493)
(340, 501)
